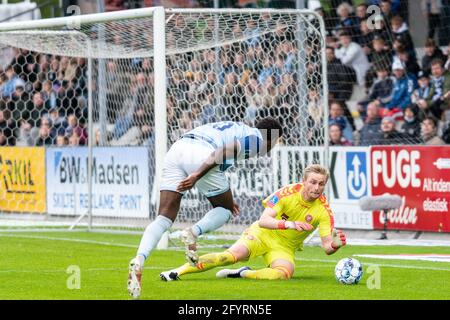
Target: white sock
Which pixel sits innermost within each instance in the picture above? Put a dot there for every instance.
(151, 237)
(212, 220)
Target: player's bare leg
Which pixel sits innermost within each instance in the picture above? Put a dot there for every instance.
(168, 210)
(223, 208)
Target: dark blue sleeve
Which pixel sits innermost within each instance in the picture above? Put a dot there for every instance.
(250, 147)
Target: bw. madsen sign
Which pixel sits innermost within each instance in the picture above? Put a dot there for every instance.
(120, 181)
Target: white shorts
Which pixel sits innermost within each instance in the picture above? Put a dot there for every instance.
(186, 156)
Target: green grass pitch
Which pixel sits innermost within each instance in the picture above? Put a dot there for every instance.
(37, 266)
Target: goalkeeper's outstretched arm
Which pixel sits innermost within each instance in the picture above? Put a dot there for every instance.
(332, 243)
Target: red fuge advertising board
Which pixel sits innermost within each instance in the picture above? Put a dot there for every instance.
(421, 176)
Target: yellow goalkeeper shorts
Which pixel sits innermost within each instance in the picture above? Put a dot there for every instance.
(261, 243)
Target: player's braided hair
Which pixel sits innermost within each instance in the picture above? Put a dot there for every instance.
(271, 127)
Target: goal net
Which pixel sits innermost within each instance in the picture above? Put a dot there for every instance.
(105, 95)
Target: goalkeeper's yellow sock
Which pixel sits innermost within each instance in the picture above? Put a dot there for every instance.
(277, 273)
(207, 262)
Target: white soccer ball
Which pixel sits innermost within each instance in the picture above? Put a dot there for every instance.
(348, 271)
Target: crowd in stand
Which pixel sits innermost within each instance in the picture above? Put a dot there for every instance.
(406, 98)
(43, 98)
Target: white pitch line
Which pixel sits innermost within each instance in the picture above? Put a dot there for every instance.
(111, 244)
(380, 265)
(81, 269)
(70, 240)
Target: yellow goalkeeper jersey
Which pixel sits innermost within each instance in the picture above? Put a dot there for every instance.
(290, 206)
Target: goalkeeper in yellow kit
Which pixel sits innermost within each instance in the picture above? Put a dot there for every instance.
(290, 215)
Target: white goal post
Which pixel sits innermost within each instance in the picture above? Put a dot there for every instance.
(133, 81)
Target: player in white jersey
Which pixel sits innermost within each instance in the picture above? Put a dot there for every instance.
(200, 158)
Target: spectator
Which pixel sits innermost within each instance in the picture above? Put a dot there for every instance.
(382, 29)
(401, 32)
(329, 25)
(386, 9)
(337, 3)
(346, 22)
(208, 109)
(429, 132)
(59, 123)
(371, 130)
(99, 139)
(432, 52)
(440, 91)
(403, 89)
(315, 103)
(336, 138)
(411, 125)
(12, 81)
(365, 38)
(447, 57)
(446, 133)
(24, 138)
(337, 115)
(361, 12)
(62, 141)
(45, 137)
(68, 97)
(233, 97)
(381, 89)
(122, 124)
(381, 56)
(75, 127)
(267, 71)
(36, 109)
(30, 120)
(252, 33)
(114, 83)
(315, 116)
(340, 81)
(409, 62)
(74, 139)
(422, 93)
(18, 102)
(383, 86)
(351, 54)
(49, 95)
(140, 129)
(7, 128)
(389, 135)
(432, 11)
(52, 72)
(2, 81)
(280, 67)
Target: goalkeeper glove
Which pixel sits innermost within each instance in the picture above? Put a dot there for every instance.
(339, 239)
